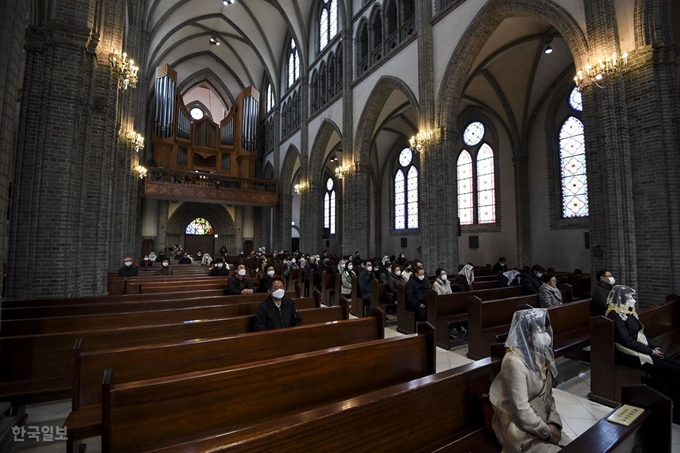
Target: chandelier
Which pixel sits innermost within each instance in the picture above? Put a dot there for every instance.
(598, 73)
(418, 141)
(342, 171)
(135, 139)
(125, 69)
(140, 170)
(301, 187)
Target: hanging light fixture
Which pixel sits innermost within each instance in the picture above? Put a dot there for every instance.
(228, 2)
(125, 69)
(598, 73)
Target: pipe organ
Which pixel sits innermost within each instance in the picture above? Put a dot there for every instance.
(182, 143)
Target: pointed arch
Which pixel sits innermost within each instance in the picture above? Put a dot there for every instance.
(318, 153)
(288, 170)
(209, 77)
(216, 214)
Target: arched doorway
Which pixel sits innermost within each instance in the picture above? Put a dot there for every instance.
(199, 236)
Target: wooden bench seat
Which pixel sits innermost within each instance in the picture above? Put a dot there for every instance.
(127, 306)
(147, 415)
(379, 297)
(330, 289)
(153, 361)
(42, 365)
(662, 325)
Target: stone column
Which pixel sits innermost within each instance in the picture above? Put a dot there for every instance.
(238, 222)
(377, 220)
(311, 219)
(286, 217)
(522, 209)
(356, 215)
(161, 242)
(346, 217)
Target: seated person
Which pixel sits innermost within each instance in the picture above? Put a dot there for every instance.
(500, 266)
(146, 262)
(277, 311)
(525, 418)
(267, 280)
(531, 281)
(510, 278)
(394, 279)
(160, 257)
(416, 294)
(548, 294)
(239, 283)
(221, 268)
(127, 269)
(633, 348)
(346, 279)
(206, 260)
(465, 278)
(441, 283)
(165, 268)
(603, 286)
(365, 282)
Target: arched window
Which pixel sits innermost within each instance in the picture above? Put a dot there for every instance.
(376, 37)
(293, 64)
(406, 192)
(573, 162)
(269, 105)
(328, 22)
(362, 48)
(315, 92)
(200, 226)
(478, 179)
(329, 206)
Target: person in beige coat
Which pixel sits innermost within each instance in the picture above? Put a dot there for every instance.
(525, 417)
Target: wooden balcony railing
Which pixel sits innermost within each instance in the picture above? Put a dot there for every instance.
(165, 184)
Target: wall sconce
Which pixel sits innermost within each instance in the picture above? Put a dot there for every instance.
(598, 73)
(419, 140)
(342, 171)
(301, 187)
(125, 69)
(136, 140)
(140, 170)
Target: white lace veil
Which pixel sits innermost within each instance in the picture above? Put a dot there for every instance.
(520, 341)
(618, 301)
(469, 273)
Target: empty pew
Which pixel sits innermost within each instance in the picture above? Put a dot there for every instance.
(152, 414)
(141, 304)
(154, 361)
(34, 326)
(42, 365)
(662, 326)
(442, 412)
(330, 288)
(449, 310)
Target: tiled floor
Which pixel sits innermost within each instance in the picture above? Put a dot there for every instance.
(578, 413)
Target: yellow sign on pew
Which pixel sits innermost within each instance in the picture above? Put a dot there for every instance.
(625, 415)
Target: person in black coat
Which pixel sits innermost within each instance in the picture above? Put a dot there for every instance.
(600, 292)
(500, 266)
(239, 283)
(267, 280)
(128, 269)
(416, 294)
(276, 311)
(532, 280)
(221, 269)
(634, 349)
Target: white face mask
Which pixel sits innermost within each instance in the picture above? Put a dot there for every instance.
(220, 265)
(612, 281)
(128, 263)
(541, 340)
(398, 273)
(146, 259)
(539, 275)
(166, 264)
(369, 268)
(241, 272)
(278, 294)
(271, 273)
(630, 304)
(350, 267)
(421, 277)
(443, 277)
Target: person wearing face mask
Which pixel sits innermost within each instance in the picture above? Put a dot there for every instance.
(441, 284)
(128, 269)
(165, 268)
(267, 280)
(346, 280)
(239, 283)
(327, 266)
(365, 282)
(385, 272)
(221, 269)
(416, 294)
(395, 278)
(633, 348)
(277, 311)
(146, 262)
(600, 292)
(532, 280)
(548, 294)
(500, 266)
(466, 278)
(525, 417)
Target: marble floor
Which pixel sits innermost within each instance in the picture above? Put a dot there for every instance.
(578, 413)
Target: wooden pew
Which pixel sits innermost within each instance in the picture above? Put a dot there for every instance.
(154, 361)
(662, 325)
(357, 304)
(379, 296)
(580, 285)
(183, 286)
(156, 413)
(489, 322)
(121, 307)
(442, 413)
(406, 319)
(42, 365)
(450, 310)
(35, 326)
(330, 288)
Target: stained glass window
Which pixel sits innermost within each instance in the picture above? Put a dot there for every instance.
(293, 64)
(329, 206)
(200, 226)
(406, 192)
(573, 168)
(328, 22)
(575, 100)
(473, 134)
(486, 186)
(270, 98)
(465, 189)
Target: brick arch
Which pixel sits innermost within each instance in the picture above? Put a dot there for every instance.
(288, 170)
(216, 214)
(652, 22)
(317, 157)
(478, 33)
(372, 108)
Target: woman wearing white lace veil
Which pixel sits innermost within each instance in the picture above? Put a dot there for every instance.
(525, 417)
(634, 349)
